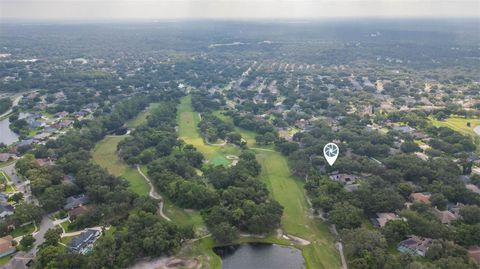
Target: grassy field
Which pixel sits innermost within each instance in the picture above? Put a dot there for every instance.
(28, 229)
(105, 155)
(141, 117)
(287, 190)
(4, 260)
(460, 125)
(187, 130)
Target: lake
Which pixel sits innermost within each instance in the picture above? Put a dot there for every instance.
(7, 136)
(260, 256)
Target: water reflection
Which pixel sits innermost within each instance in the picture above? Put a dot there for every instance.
(260, 256)
(7, 136)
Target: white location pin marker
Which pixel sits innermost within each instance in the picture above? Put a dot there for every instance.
(330, 151)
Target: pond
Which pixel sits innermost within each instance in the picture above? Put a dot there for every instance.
(260, 256)
(7, 136)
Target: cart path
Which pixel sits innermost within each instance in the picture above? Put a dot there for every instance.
(154, 194)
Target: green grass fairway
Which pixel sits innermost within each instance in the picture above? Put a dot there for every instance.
(105, 155)
(142, 117)
(187, 130)
(460, 125)
(289, 192)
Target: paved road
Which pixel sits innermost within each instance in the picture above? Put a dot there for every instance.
(22, 257)
(22, 186)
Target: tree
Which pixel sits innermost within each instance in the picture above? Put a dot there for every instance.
(52, 236)
(26, 213)
(395, 230)
(224, 232)
(365, 249)
(27, 242)
(470, 214)
(439, 201)
(346, 216)
(409, 147)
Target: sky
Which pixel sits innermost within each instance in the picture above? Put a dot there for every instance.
(232, 9)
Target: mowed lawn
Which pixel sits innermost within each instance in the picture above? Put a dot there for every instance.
(105, 155)
(188, 121)
(289, 192)
(460, 125)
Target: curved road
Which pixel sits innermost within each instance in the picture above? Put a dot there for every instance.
(154, 194)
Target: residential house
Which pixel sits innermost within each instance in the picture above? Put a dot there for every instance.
(382, 218)
(6, 246)
(403, 129)
(5, 157)
(6, 210)
(76, 201)
(62, 114)
(343, 178)
(78, 211)
(421, 197)
(445, 216)
(44, 162)
(415, 245)
(474, 253)
(349, 181)
(473, 188)
(83, 243)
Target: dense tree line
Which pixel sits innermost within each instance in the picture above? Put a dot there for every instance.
(231, 199)
(213, 128)
(5, 105)
(139, 232)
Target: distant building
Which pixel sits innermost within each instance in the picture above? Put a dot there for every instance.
(76, 201)
(421, 197)
(6, 246)
(382, 218)
(83, 243)
(343, 178)
(44, 162)
(403, 129)
(415, 245)
(445, 216)
(4, 157)
(473, 188)
(6, 210)
(78, 211)
(474, 253)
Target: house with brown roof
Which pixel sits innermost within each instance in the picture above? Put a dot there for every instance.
(6, 246)
(382, 218)
(420, 197)
(78, 211)
(445, 216)
(474, 253)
